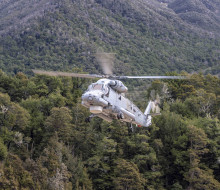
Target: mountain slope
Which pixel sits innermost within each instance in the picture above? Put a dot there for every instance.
(147, 36)
(15, 14)
(204, 14)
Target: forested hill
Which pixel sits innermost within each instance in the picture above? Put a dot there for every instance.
(46, 144)
(148, 36)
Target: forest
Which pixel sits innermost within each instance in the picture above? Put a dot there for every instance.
(45, 142)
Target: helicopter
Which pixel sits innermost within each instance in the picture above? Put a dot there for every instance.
(106, 97)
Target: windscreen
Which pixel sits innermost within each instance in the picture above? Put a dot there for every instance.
(97, 87)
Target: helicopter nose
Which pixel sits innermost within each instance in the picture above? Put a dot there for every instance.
(94, 99)
(88, 97)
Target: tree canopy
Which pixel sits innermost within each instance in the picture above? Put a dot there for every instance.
(45, 142)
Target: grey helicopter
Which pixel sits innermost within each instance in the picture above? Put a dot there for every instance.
(106, 97)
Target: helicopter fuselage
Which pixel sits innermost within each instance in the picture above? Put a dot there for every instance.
(106, 99)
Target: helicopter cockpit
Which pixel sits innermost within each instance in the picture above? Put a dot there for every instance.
(94, 95)
(97, 86)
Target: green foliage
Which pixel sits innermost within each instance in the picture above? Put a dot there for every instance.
(127, 176)
(199, 178)
(44, 140)
(60, 121)
(46, 144)
(203, 100)
(147, 41)
(3, 150)
(14, 175)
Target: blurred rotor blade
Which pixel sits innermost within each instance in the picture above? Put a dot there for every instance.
(151, 77)
(66, 74)
(106, 61)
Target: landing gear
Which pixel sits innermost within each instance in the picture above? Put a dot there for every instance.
(120, 116)
(88, 119)
(132, 128)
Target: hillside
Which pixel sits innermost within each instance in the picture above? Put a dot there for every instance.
(15, 14)
(203, 14)
(45, 142)
(148, 37)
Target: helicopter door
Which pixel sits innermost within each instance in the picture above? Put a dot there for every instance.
(111, 96)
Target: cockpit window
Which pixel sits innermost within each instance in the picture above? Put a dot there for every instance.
(97, 87)
(101, 87)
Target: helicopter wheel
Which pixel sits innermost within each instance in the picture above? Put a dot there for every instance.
(120, 116)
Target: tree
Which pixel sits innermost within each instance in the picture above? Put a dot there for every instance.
(60, 121)
(197, 177)
(127, 176)
(99, 165)
(79, 178)
(171, 136)
(14, 119)
(212, 129)
(14, 175)
(58, 176)
(140, 150)
(12, 115)
(3, 150)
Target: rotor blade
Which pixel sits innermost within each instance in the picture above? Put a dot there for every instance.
(150, 77)
(65, 74)
(106, 61)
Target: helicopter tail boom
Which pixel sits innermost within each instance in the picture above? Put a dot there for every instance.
(152, 106)
(149, 107)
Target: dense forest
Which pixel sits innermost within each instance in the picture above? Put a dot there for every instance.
(45, 142)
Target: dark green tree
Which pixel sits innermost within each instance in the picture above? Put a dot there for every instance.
(127, 176)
